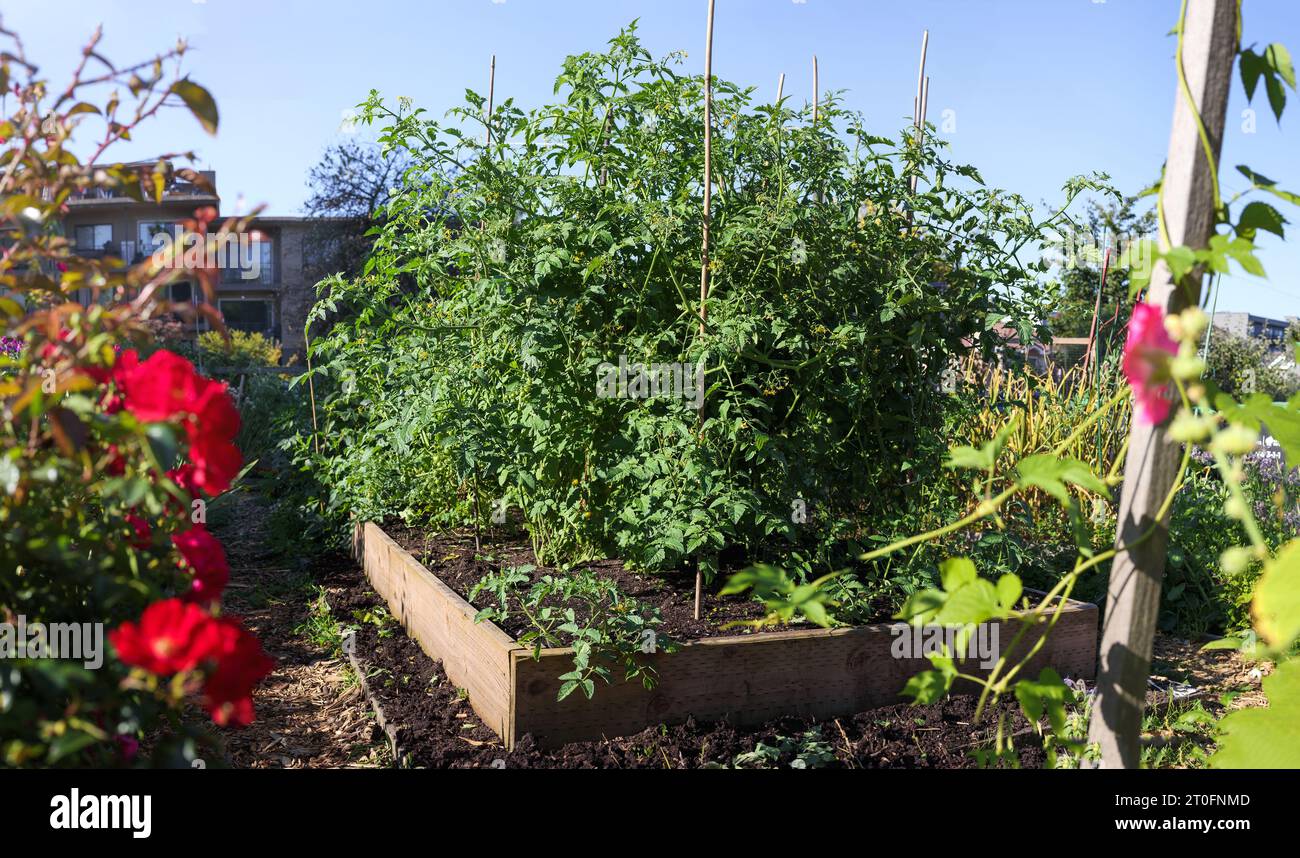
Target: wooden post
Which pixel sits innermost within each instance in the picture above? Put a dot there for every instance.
(704, 241)
(1133, 601)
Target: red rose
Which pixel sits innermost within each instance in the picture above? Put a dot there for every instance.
(172, 636)
(184, 477)
(160, 388)
(115, 464)
(214, 412)
(206, 559)
(143, 537)
(216, 463)
(241, 664)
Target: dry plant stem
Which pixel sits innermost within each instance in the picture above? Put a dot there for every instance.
(991, 505)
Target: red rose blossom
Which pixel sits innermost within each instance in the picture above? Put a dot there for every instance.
(216, 464)
(172, 636)
(214, 412)
(160, 388)
(241, 664)
(143, 534)
(206, 560)
(184, 477)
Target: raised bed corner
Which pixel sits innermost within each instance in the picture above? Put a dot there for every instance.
(747, 679)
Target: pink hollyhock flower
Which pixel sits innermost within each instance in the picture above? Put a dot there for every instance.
(206, 560)
(1146, 362)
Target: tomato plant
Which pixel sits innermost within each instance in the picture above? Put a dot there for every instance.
(530, 253)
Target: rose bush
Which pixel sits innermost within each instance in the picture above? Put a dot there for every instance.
(109, 453)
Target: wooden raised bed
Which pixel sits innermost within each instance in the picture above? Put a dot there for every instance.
(746, 679)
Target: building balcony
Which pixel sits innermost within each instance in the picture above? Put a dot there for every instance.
(177, 190)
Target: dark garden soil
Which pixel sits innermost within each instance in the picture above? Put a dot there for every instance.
(452, 557)
(436, 727)
(311, 711)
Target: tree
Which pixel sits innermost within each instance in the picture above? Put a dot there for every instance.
(1240, 365)
(350, 188)
(1118, 223)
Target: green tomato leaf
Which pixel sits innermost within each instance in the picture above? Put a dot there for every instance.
(956, 572)
(1257, 216)
(926, 687)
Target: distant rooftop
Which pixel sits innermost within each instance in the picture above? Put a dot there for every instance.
(177, 189)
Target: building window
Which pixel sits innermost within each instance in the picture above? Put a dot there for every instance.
(94, 237)
(182, 292)
(247, 315)
(150, 228)
(258, 248)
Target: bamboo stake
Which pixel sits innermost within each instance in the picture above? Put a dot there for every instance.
(816, 109)
(704, 242)
(311, 388)
(1096, 309)
(920, 81)
(492, 85)
(1214, 311)
(918, 103)
(816, 89)
(780, 88)
(1209, 46)
(925, 104)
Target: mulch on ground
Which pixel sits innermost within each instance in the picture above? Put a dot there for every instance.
(310, 712)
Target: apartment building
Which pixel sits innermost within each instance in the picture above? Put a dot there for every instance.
(270, 296)
(1271, 331)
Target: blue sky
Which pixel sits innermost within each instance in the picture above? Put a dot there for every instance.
(1040, 89)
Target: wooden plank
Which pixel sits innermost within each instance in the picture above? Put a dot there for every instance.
(475, 656)
(752, 678)
(1210, 41)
